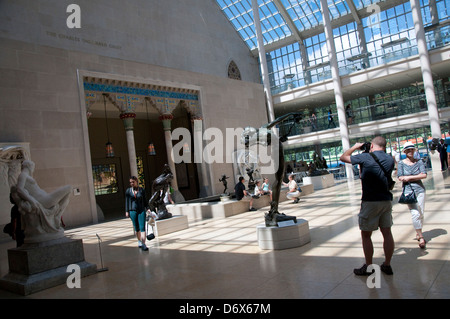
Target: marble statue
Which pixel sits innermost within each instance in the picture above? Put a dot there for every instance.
(159, 188)
(251, 136)
(41, 211)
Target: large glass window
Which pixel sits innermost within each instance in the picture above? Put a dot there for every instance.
(390, 34)
(285, 68)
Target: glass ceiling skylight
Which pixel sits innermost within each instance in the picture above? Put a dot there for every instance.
(304, 14)
(240, 14)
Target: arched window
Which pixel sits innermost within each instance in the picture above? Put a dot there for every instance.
(233, 71)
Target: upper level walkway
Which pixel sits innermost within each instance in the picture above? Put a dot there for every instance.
(384, 117)
(397, 63)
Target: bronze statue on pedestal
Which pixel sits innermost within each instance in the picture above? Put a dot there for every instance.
(263, 135)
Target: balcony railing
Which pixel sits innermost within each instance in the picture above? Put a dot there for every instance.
(365, 114)
(437, 36)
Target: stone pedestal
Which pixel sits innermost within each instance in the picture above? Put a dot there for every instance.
(37, 267)
(170, 225)
(319, 182)
(283, 237)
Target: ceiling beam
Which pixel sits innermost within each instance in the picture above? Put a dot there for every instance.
(343, 20)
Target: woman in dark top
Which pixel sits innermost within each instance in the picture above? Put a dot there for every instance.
(135, 208)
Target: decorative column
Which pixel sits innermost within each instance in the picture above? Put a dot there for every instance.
(167, 123)
(428, 84)
(202, 166)
(127, 119)
(336, 84)
(263, 61)
(426, 69)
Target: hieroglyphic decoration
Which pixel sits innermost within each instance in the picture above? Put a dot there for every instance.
(146, 90)
(124, 103)
(127, 96)
(192, 107)
(90, 98)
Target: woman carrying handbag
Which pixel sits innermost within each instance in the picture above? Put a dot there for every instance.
(411, 171)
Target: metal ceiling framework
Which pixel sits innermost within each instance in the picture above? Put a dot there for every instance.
(285, 22)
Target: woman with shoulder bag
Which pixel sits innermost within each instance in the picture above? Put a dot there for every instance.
(135, 209)
(411, 171)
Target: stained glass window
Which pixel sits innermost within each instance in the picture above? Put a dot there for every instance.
(105, 179)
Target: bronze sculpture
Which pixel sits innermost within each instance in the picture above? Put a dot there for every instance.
(159, 188)
(223, 179)
(251, 136)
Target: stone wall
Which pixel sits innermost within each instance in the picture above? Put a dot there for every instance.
(40, 75)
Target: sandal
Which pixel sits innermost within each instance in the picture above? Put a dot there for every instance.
(422, 244)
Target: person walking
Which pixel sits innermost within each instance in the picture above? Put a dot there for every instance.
(330, 119)
(135, 209)
(349, 114)
(442, 149)
(376, 200)
(411, 171)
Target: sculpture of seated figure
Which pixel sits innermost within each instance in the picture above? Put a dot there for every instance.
(41, 211)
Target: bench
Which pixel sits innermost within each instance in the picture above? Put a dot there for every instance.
(170, 225)
(198, 211)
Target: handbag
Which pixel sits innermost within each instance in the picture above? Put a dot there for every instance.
(407, 198)
(391, 182)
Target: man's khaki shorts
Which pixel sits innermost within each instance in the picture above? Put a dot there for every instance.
(375, 214)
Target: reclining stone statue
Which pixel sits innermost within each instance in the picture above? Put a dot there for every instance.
(41, 211)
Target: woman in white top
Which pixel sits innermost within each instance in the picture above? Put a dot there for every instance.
(258, 192)
(293, 189)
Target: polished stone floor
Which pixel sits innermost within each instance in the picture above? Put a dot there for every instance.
(220, 258)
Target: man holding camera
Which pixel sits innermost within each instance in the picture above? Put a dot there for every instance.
(376, 201)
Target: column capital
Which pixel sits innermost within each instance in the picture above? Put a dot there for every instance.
(163, 117)
(127, 115)
(128, 118)
(167, 121)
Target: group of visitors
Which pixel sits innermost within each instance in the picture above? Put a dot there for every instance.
(242, 194)
(376, 168)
